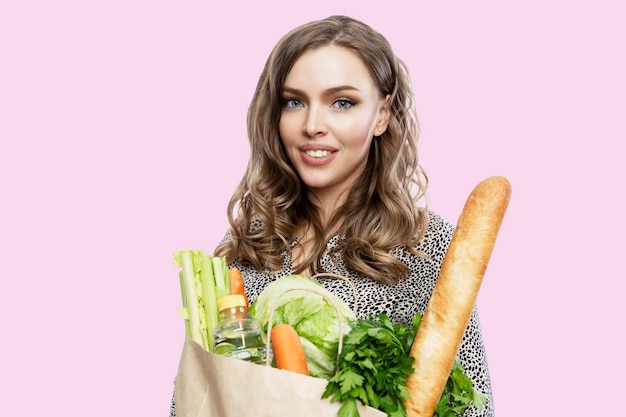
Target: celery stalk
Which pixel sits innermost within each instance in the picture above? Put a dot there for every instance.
(209, 296)
(185, 308)
(225, 275)
(222, 277)
(203, 280)
(189, 280)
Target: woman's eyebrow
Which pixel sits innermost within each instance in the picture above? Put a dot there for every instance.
(329, 91)
(292, 90)
(341, 88)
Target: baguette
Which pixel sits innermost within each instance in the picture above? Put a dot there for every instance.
(449, 309)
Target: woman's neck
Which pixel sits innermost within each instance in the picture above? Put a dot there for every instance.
(310, 237)
(328, 203)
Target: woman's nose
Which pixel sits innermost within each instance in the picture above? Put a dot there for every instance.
(315, 123)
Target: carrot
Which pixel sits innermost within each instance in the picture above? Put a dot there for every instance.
(288, 350)
(236, 284)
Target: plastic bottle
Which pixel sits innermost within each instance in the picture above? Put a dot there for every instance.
(238, 335)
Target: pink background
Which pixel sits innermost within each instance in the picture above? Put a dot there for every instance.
(122, 129)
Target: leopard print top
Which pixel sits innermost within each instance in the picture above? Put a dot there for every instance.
(400, 301)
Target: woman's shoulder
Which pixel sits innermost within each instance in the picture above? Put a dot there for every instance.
(438, 234)
(428, 254)
(438, 222)
(255, 225)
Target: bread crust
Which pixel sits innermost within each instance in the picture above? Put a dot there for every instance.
(449, 309)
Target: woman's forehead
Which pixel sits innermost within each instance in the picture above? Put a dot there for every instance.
(328, 67)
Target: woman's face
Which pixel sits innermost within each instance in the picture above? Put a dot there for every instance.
(331, 111)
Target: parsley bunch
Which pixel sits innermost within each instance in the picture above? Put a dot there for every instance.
(374, 367)
(458, 394)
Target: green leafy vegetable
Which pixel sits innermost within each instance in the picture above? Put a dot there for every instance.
(458, 394)
(312, 316)
(374, 366)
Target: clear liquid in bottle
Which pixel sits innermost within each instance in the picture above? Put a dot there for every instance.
(238, 335)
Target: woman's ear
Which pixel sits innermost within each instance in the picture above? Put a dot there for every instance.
(384, 113)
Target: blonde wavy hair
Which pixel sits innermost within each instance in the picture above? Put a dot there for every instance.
(382, 213)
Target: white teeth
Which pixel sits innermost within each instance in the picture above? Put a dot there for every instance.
(317, 153)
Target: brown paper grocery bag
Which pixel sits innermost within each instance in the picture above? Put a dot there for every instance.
(209, 385)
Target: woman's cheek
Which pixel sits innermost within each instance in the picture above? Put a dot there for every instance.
(358, 134)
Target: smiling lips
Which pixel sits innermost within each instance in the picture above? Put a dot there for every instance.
(317, 155)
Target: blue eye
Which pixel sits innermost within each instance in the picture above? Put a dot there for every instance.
(292, 103)
(343, 104)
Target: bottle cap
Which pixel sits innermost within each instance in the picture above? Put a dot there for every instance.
(230, 301)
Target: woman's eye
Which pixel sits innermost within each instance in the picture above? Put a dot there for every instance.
(292, 103)
(343, 104)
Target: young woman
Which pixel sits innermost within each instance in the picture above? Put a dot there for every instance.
(333, 183)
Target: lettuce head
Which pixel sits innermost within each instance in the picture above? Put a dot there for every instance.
(296, 301)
